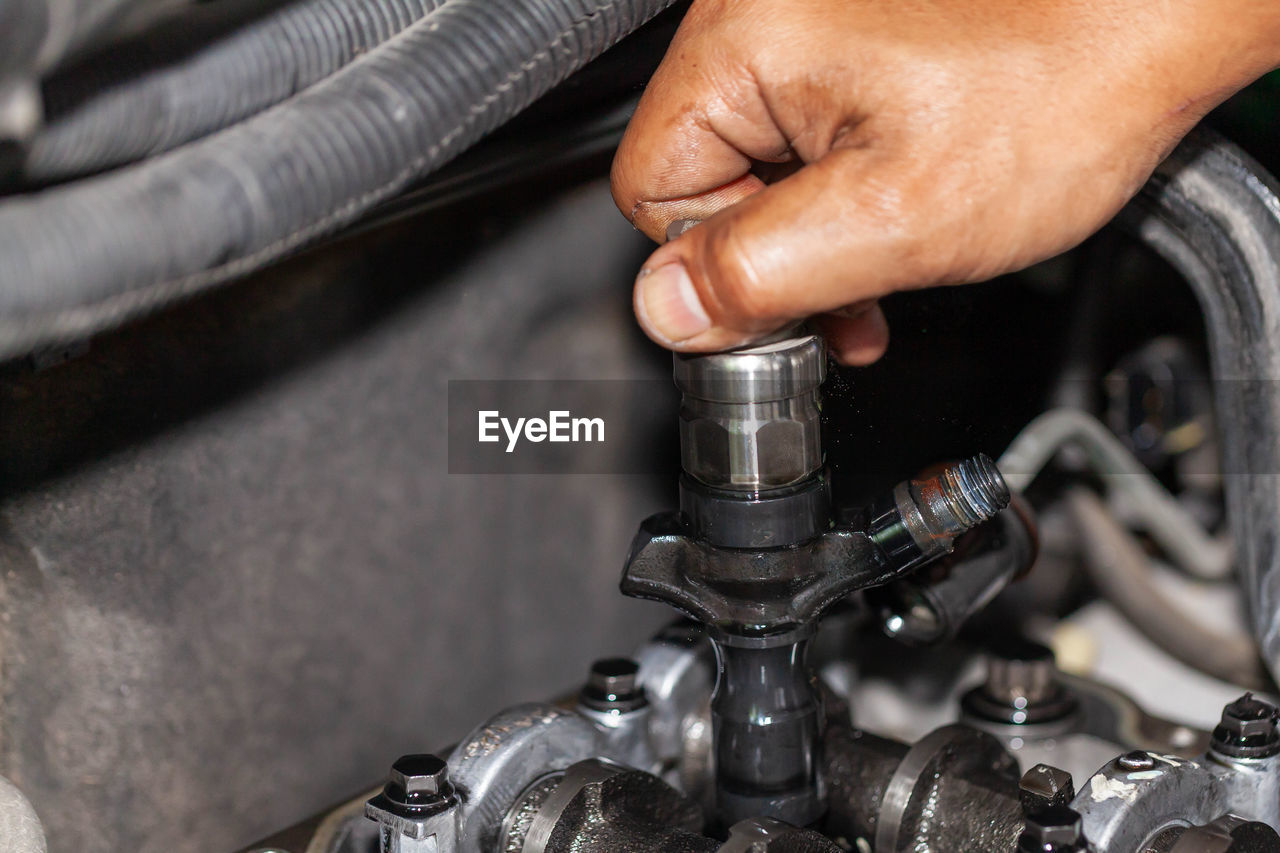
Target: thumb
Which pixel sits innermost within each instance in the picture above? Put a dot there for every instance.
(834, 234)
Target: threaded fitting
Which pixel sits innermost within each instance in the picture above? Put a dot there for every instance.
(974, 490)
(961, 496)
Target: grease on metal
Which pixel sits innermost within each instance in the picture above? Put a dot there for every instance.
(1102, 789)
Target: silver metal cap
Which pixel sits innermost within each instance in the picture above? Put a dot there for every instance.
(776, 370)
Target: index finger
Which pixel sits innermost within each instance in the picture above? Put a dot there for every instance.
(688, 150)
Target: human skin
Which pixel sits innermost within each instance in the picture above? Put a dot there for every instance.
(928, 142)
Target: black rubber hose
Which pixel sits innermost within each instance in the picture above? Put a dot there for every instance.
(78, 258)
(255, 67)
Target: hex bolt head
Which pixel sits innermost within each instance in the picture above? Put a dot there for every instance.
(1056, 829)
(1136, 760)
(419, 779)
(1043, 786)
(1248, 729)
(614, 675)
(613, 685)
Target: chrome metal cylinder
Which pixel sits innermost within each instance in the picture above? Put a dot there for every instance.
(749, 418)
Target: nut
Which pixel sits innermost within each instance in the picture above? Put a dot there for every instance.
(751, 446)
(1248, 729)
(749, 418)
(420, 776)
(613, 685)
(1056, 829)
(1043, 786)
(416, 808)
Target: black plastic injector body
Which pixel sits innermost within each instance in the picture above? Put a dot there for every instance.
(754, 555)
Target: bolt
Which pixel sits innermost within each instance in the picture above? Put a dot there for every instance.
(1022, 687)
(1248, 729)
(614, 675)
(1053, 830)
(418, 780)
(1136, 760)
(1043, 786)
(1021, 671)
(613, 685)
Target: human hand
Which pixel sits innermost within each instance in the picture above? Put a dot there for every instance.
(938, 142)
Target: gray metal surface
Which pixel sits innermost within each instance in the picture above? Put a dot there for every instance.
(515, 749)
(1123, 808)
(230, 533)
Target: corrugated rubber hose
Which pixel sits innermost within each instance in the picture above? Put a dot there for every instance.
(259, 65)
(78, 258)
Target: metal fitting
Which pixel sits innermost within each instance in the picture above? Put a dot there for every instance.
(615, 702)
(750, 418)
(927, 514)
(510, 752)
(678, 671)
(931, 605)
(1044, 786)
(1248, 729)
(613, 686)
(1022, 689)
(416, 807)
(1056, 829)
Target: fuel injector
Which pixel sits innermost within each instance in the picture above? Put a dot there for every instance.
(755, 555)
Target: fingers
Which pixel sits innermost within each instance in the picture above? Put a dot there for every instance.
(689, 148)
(837, 232)
(856, 336)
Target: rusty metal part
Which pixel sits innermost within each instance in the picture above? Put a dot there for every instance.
(955, 791)
(600, 807)
(911, 811)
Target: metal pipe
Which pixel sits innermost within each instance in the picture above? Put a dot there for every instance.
(1146, 499)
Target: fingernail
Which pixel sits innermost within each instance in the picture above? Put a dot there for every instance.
(668, 304)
